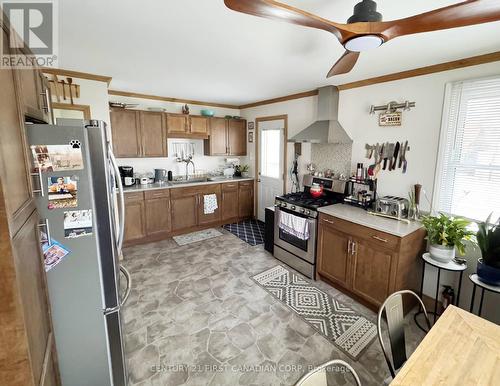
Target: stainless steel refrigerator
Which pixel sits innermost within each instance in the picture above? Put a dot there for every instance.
(80, 199)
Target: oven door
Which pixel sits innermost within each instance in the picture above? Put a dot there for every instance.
(305, 249)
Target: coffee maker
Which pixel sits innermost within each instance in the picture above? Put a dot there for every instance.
(127, 175)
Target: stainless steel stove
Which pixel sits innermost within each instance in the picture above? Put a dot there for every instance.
(292, 250)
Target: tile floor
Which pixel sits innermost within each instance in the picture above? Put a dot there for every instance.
(195, 317)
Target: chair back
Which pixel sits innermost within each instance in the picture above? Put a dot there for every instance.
(394, 313)
(319, 376)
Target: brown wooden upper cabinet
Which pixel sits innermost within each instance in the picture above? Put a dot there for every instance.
(138, 133)
(187, 126)
(227, 137)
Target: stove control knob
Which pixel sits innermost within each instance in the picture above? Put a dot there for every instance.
(293, 207)
(283, 205)
(302, 210)
(308, 212)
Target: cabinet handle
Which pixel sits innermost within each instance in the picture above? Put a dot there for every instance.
(349, 246)
(328, 221)
(380, 239)
(354, 248)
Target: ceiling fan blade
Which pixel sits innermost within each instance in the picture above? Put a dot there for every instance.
(278, 11)
(457, 15)
(344, 64)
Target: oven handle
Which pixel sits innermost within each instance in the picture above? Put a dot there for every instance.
(278, 209)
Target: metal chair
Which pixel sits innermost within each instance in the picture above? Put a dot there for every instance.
(393, 307)
(319, 376)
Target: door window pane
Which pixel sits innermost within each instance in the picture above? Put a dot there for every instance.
(270, 154)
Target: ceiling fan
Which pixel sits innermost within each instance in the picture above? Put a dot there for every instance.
(365, 29)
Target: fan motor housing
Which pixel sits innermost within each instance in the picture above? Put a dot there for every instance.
(366, 11)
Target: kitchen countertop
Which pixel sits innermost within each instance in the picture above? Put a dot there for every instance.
(361, 217)
(166, 185)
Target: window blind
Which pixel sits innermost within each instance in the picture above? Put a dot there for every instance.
(468, 173)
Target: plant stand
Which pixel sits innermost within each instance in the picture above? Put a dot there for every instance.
(451, 266)
(484, 287)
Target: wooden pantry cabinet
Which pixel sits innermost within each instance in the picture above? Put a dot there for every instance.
(158, 214)
(227, 137)
(369, 264)
(138, 133)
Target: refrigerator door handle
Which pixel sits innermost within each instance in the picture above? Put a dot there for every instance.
(40, 183)
(121, 201)
(126, 273)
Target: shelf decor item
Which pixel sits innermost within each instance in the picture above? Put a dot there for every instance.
(488, 240)
(245, 171)
(445, 234)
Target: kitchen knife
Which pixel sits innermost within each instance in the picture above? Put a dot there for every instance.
(396, 152)
(390, 153)
(402, 157)
(386, 155)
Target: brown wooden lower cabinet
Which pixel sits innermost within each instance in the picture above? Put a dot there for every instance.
(135, 219)
(245, 198)
(368, 263)
(158, 214)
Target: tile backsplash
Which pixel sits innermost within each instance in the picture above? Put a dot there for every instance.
(336, 157)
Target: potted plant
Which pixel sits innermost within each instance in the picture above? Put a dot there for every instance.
(244, 169)
(488, 239)
(445, 234)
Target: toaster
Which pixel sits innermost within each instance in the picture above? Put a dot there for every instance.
(392, 206)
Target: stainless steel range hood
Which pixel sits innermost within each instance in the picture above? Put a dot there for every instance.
(327, 128)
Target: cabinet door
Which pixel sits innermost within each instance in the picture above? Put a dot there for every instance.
(184, 212)
(153, 134)
(177, 124)
(33, 292)
(371, 272)
(237, 137)
(158, 216)
(14, 168)
(229, 202)
(135, 223)
(199, 125)
(209, 218)
(245, 200)
(217, 142)
(333, 254)
(126, 133)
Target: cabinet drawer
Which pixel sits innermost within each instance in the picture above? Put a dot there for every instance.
(160, 193)
(229, 186)
(372, 235)
(246, 183)
(136, 196)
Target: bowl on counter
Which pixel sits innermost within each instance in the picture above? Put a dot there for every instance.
(207, 113)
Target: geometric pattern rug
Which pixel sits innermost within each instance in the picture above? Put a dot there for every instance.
(338, 323)
(250, 231)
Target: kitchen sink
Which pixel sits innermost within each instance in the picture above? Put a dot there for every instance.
(190, 181)
(220, 178)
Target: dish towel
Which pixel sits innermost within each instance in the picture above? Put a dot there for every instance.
(294, 225)
(210, 203)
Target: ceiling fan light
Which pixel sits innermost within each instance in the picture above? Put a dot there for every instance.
(363, 43)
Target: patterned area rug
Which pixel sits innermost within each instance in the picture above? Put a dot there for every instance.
(250, 231)
(349, 331)
(194, 237)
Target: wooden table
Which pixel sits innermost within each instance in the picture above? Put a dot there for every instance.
(460, 349)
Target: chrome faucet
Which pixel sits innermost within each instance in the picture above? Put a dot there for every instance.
(189, 160)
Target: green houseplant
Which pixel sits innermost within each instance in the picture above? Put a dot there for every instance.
(244, 169)
(445, 234)
(488, 240)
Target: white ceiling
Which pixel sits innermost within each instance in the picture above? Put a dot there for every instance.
(199, 49)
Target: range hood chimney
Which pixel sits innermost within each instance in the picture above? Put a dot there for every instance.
(326, 128)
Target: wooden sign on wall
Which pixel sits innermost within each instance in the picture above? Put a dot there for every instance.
(390, 119)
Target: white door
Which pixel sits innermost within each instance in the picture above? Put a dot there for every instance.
(270, 173)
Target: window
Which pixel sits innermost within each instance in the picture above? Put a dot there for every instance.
(270, 153)
(468, 173)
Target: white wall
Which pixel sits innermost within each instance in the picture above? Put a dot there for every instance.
(92, 93)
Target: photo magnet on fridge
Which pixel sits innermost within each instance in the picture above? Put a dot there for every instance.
(77, 223)
(53, 158)
(62, 192)
(53, 254)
